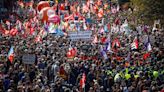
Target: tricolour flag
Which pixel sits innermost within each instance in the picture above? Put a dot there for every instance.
(11, 54)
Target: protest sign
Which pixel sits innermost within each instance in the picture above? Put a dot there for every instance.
(80, 35)
(86, 47)
(29, 59)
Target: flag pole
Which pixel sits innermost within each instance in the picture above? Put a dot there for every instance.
(84, 88)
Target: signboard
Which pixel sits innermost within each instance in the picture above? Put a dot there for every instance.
(86, 47)
(80, 35)
(29, 59)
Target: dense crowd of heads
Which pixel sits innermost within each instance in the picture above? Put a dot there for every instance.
(124, 70)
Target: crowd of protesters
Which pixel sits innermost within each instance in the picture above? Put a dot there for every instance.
(121, 70)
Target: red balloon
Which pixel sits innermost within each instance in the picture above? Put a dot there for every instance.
(45, 13)
(71, 53)
(42, 5)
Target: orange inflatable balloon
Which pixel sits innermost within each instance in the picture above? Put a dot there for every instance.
(45, 13)
(42, 5)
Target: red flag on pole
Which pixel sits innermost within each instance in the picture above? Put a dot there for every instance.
(13, 32)
(103, 40)
(116, 43)
(82, 81)
(146, 55)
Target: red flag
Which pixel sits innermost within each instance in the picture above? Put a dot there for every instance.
(135, 44)
(117, 21)
(38, 39)
(62, 7)
(116, 43)
(32, 31)
(13, 31)
(146, 55)
(82, 81)
(83, 57)
(103, 39)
